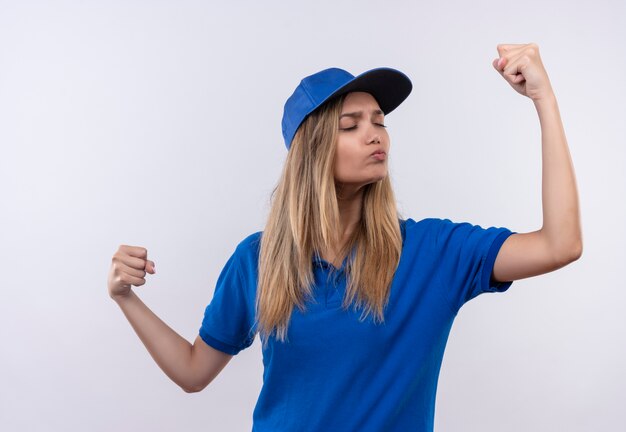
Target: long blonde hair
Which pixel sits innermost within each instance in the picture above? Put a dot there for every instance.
(303, 219)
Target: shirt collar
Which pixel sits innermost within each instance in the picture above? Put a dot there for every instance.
(318, 260)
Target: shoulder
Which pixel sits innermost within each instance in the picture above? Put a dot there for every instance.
(421, 227)
(432, 232)
(252, 241)
(464, 237)
(442, 225)
(419, 236)
(247, 252)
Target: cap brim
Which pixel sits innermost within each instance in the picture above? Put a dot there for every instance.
(390, 87)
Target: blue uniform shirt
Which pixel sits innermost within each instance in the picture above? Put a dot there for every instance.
(337, 373)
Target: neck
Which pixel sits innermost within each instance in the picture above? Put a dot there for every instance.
(350, 202)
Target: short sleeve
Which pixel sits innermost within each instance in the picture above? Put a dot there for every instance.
(228, 325)
(466, 255)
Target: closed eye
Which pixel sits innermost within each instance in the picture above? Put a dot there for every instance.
(354, 127)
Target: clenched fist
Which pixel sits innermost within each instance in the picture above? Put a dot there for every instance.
(520, 65)
(129, 267)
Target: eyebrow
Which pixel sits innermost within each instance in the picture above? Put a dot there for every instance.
(358, 114)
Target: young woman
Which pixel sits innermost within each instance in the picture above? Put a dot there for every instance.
(352, 303)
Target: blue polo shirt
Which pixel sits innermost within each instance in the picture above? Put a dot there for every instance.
(337, 373)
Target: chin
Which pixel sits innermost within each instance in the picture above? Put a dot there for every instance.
(376, 179)
(380, 177)
(362, 181)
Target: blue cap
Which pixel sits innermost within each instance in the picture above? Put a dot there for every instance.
(389, 87)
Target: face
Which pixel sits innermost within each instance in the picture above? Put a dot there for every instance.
(361, 133)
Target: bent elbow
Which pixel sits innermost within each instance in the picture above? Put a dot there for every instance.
(572, 254)
(191, 389)
(187, 390)
(578, 252)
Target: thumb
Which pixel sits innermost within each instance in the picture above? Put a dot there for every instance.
(499, 63)
(150, 267)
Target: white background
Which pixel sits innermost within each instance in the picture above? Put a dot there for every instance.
(157, 124)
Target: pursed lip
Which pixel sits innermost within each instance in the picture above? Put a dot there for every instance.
(379, 155)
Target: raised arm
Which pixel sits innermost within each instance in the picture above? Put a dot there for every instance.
(191, 367)
(559, 241)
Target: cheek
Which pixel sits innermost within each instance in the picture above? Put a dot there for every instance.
(344, 157)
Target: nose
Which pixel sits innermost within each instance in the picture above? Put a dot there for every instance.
(374, 135)
(375, 138)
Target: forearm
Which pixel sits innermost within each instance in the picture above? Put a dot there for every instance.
(561, 214)
(168, 349)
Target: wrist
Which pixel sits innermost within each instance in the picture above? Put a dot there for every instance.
(547, 99)
(123, 298)
(546, 105)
